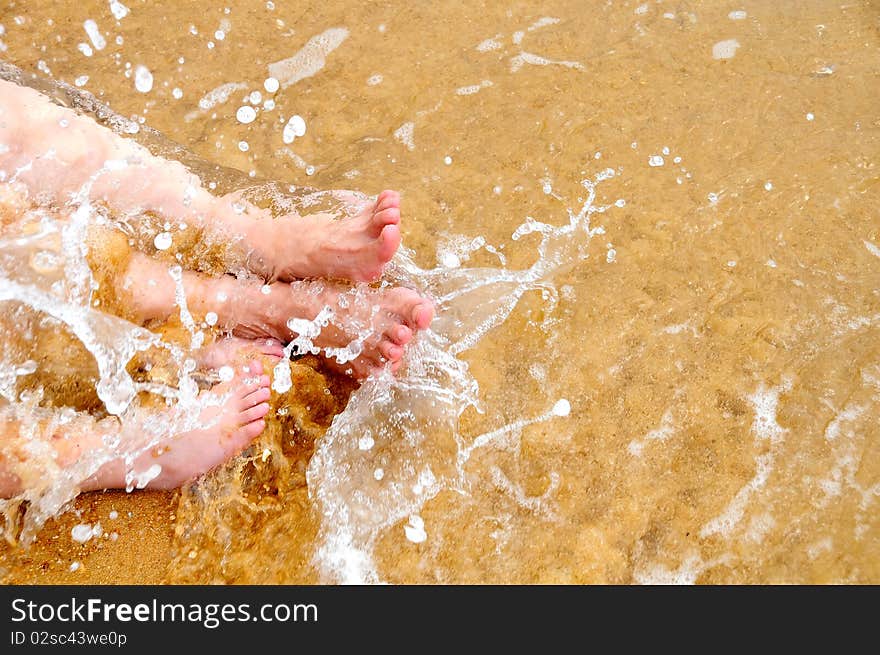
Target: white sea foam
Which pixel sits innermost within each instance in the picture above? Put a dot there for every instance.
(310, 59)
(725, 49)
(404, 134)
(765, 402)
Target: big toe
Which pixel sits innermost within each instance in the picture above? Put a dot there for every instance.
(423, 314)
(244, 435)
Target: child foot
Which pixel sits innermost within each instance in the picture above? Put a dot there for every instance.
(230, 351)
(232, 419)
(355, 248)
(383, 321)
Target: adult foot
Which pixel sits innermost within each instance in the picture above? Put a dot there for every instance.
(354, 248)
(232, 418)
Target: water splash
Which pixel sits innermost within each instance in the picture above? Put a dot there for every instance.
(410, 421)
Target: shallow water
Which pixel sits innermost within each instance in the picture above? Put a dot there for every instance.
(717, 346)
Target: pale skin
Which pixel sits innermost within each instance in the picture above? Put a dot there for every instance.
(56, 153)
(230, 427)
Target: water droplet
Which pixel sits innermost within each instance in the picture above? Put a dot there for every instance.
(162, 241)
(415, 529)
(295, 127)
(143, 79)
(562, 407)
(81, 532)
(447, 160)
(246, 114)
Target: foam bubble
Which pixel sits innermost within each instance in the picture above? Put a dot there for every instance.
(143, 79)
(162, 241)
(226, 373)
(81, 532)
(118, 9)
(404, 134)
(271, 84)
(295, 127)
(246, 114)
(725, 49)
(656, 160)
(415, 529)
(95, 36)
(562, 407)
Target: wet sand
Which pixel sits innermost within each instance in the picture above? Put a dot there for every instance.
(718, 348)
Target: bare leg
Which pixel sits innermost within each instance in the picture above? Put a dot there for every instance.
(250, 309)
(56, 152)
(229, 427)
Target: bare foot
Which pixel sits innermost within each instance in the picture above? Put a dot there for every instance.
(374, 324)
(231, 424)
(355, 248)
(230, 351)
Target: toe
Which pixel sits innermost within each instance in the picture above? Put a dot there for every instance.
(247, 433)
(392, 352)
(253, 368)
(254, 413)
(422, 315)
(387, 216)
(261, 394)
(388, 199)
(400, 334)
